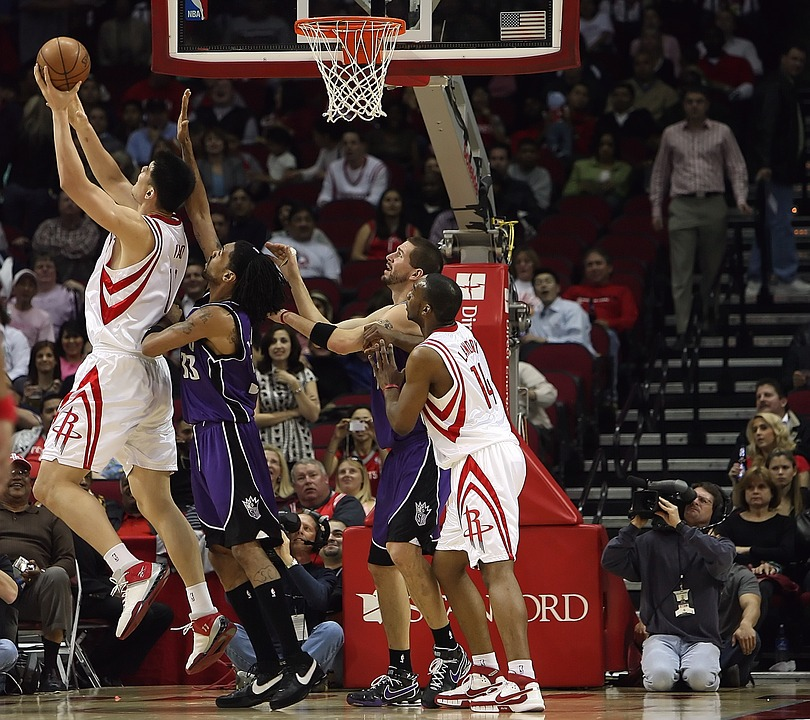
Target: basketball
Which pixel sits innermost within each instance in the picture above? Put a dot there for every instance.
(67, 60)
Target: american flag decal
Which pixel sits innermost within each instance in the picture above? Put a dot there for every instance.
(527, 25)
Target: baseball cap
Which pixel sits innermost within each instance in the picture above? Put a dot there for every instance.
(15, 458)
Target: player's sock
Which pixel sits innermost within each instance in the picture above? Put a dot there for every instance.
(400, 659)
(244, 602)
(118, 557)
(444, 638)
(522, 667)
(276, 613)
(487, 660)
(199, 600)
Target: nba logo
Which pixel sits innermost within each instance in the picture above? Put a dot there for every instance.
(196, 9)
(472, 285)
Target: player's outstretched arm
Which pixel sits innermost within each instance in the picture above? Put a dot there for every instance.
(125, 222)
(197, 208)
(105, 168)
(213, 324)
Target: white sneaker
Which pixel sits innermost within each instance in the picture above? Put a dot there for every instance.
(784, 666)
(138, 587)
(752, 288)
(477, 683)
(795, 287)
(514, 693)
(212, 633)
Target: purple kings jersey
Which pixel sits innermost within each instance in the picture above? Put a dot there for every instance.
(220, 387)
(386, 437)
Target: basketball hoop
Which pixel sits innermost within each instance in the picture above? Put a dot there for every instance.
(353, 54)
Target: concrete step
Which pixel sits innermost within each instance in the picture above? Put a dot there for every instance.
(725, 439)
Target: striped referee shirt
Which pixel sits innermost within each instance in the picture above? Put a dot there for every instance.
(691, 162)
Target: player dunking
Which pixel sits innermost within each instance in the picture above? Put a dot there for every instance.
(232, 489)
(447, 381)
(121, 405)
(411, 492)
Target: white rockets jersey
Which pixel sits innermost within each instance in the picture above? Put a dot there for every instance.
(121, 305)
(471, 415)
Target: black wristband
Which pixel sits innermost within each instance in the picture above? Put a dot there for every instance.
(321, 333)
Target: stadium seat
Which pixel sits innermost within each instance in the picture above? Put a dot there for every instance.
(357, 273)
(341, 219)
(638, 246)
(568, 245)
(591, 206)
(582, 227)
(799, 401)
(568, 357)
(328, 287)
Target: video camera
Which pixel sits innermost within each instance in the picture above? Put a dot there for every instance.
(289, 521)
(645, 499)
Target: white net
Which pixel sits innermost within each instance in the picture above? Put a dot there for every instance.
(353, 55)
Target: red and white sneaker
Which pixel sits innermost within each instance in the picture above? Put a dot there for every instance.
(476, 684)
(514, 693)
(212, 633)
(138, 587)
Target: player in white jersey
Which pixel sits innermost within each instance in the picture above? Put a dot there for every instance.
(447, 380)
(120, 405)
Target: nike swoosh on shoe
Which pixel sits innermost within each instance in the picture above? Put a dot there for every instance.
(307, 677)
(264, 687)
(395, 695)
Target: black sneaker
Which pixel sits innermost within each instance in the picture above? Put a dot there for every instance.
(447, 670)
(261, 689)
(397, 687)
(51, 682)
(296, 681)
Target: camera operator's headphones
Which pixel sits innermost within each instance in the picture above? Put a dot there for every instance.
(322, 530)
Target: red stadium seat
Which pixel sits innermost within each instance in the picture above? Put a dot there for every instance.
(570, 246)
(582, 227)
(639, 246)
(637, 205)
(341, 219)
(360, 272)
(326, 286)
(591, 206)
(568, 357)
(799, 401)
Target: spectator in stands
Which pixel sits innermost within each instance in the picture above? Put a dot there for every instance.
(130, 119)
(526, 169)
(624, 119)
(114, 659)
(378, 238)
(124, 41)
(332, 556)
(61, 301)
(690, 168)
(740, 47)
(651, 93)
(730, 77)
(71, 239)
(8, 594)
(793, 496)
(281, 161)
(194, 284)
(279, 474)
(651, 25)
(778, 149)
(525, 264)
(221, 171)
(312, 591)
(221, 106)
(72, 347)
(317, 256)
(608, 304)
(430, 200)
(355, 437)
(558, 133)
(539, 395)
(32, 532)
(765, 433)
(796, 361)
(44, 376)
(557, 320)
(489, 123)
(514, 199)
(35, 323)
(683, 623)
(595, 26)
(141, 143)
(327, 137)
(156, 86)
(356, 175)
(288, 394)
(16, 350)
(28, 443)
(580, 118)
(651, 42)
(244, 224)
(312, 492)
(32, 180)
(603, 174)
(740, 598)
(351, 478)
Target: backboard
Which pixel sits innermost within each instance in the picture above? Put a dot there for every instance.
(255, 38)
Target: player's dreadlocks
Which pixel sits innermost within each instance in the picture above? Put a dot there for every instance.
(259, 287)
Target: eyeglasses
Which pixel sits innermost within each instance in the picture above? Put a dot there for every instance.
(703, 500)
(20, 473)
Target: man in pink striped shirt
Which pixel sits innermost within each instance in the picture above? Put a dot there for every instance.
(690, 165)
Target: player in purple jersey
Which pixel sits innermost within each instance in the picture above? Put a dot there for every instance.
(411, 493)
(233, 492)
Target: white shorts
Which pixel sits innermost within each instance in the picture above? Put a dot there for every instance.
(120, 406)
(483, 515)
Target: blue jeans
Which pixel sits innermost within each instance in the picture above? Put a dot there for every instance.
(667, 658)
(323, 646)
(783, 245)
(8, 656)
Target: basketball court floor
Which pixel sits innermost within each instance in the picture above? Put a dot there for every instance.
(773, 698)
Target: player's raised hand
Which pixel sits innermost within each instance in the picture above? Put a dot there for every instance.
(56, 99)
(284, 257)
(384, 364)
(183, 135)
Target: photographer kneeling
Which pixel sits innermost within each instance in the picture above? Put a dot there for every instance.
(682, 572)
